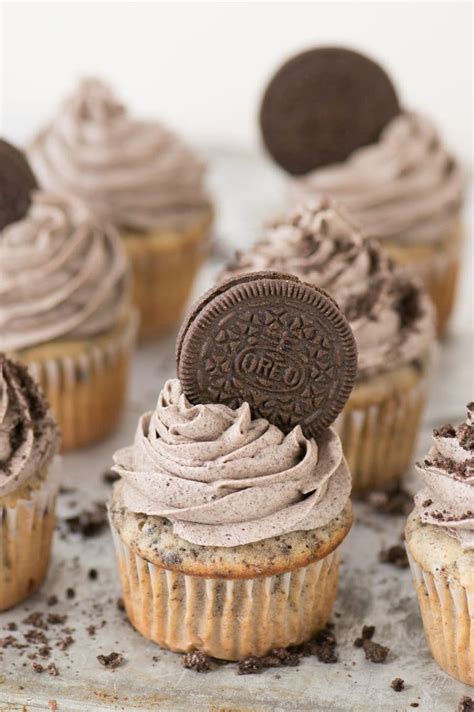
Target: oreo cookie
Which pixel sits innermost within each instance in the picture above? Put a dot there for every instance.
(322, 105)
(272, 341)
(16, 184)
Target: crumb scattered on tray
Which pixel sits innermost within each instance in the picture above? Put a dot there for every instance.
(53, 670)
(120, 604)
(466, 704)
(323, 646)
(93, 574)
(111, 661)
(53, 705)
(197, 661)
(397, 684)
(52, 600)
(88, 523)
(109, 477)
(396, 501)
(70, 593)
(395, 555)
(374, 652)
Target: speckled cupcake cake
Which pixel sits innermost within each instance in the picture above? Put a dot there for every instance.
(393, 324)
(65, 312)
(440, 543)
(29, 481)
(234, 498)
(332, 119)
(140, 177)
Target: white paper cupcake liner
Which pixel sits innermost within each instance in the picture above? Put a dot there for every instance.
(226, 618)
(86, 391)
(447, 610)
(379, 439)
(26, 530)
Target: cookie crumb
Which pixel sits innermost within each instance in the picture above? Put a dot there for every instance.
(466, 704)
(395, 555)
(70, 593)
(53, 705)
(111, 661)
(397, 684)
(93, 574)
(52, 670)
(250, 666)
(396, 502)
(52, 600)
(197, 661)
(120, 604)
(37, 667)
(374, 652)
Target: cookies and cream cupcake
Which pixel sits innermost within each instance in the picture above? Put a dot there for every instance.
(65, 312)
(29, 480)
(227, 526)
(139, 176)
(406, 191)
(392, 321)
(348, 138)
(440, 543)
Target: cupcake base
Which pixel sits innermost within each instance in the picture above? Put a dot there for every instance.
(27, 522)
(233, 616)
(379, 425)
(85, 382)
(164, 264)
(437, 266)
(443, 575)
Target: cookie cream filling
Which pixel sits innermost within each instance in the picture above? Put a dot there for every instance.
(225, 479)
(447, 497)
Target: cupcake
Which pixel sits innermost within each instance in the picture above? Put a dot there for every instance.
(143, 179)
(392, 321)
(440, 543)
(227, 526)
(65, 312)
(387, 166)
(29, 479)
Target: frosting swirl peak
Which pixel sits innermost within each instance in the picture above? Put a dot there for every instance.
(62, 274)
(29, 437)
(225, 479)
(447, 497)
(135, 174)
(389, 313)
(404, 187)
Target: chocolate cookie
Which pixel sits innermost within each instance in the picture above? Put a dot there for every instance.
(16, 183)
(279, 344)
(322, 105)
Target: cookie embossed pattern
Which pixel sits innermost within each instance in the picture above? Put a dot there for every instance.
(274, 342)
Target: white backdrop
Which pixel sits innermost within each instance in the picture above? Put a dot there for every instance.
(201, 66)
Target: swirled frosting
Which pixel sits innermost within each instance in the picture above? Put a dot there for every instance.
(225, 479)
(405, 187)
(447, 497)
(62, 275)
(29, 436)
(389, 313)
(136, 174)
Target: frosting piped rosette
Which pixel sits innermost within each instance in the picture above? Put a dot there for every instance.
(224, 478)
(29, 436)
(406, 186)
(63, 274)
(134, 173)
(389, 313)
(447, 497)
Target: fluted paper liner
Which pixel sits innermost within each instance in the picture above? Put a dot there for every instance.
(447, 610)
(226, 618)
(86, 391)
(164, 264)
(378, 439)
(26, 531)
(438, 268)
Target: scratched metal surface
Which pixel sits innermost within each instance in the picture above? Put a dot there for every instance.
(369, 593)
